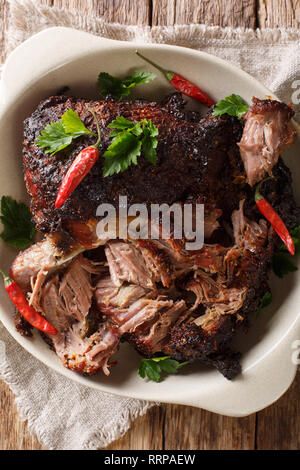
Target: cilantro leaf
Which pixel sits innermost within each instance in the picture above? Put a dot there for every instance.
(129, 141)
(58, 135)
(16, 218)
(264, 302)
(233, 105)
(118, 88)
(282, 264)
(153, 368)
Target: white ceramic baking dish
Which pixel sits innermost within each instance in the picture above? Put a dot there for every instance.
(57, 57)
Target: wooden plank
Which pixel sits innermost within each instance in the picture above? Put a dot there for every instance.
(146, 433)
(191, 428)
(219, 12)
(278, 426)
(163, 12)
(278, 13)
(14, 434)
(119, 11)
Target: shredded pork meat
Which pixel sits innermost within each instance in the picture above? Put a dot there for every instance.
(267, 133)
(66, 300)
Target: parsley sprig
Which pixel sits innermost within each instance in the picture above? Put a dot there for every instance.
(264, 302)
(118, 88)
(59, 135)
(153, 368)
(16, 218)
(129, 141)
(234, 105)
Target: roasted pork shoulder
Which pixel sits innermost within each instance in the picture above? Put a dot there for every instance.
(155, 294)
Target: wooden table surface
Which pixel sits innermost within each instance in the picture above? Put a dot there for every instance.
(172, 426)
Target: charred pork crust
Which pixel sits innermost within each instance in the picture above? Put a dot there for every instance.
(279, 193)
(191, 155)
(268, 106)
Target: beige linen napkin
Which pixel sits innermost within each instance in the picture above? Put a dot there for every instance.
(62, 413)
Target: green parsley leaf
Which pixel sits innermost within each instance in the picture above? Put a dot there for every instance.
(295, 234)
(110, 85)
(282, 264)
(150, 142)
(16, 218)
(138, 78)
(264, 302)
(233, 105)
(152, 368)
(73, 124)
(121, 124)
(121, 154)
(117, 88)
(58, 135)
(54, 138)
(129, 141)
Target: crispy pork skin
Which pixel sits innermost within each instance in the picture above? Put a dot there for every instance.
(191, 342)
(267, 133)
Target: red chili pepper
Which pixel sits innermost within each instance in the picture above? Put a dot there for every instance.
(277, 223)
(80, 167)
(182, 84)
(27, 311)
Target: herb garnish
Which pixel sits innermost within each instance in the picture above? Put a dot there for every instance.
(282, 265)
(117, 88)
(16, 217)
(234, 105)
(153, 368)
(282, 262)
(129, 141)
(59, 135)
(264, 302)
